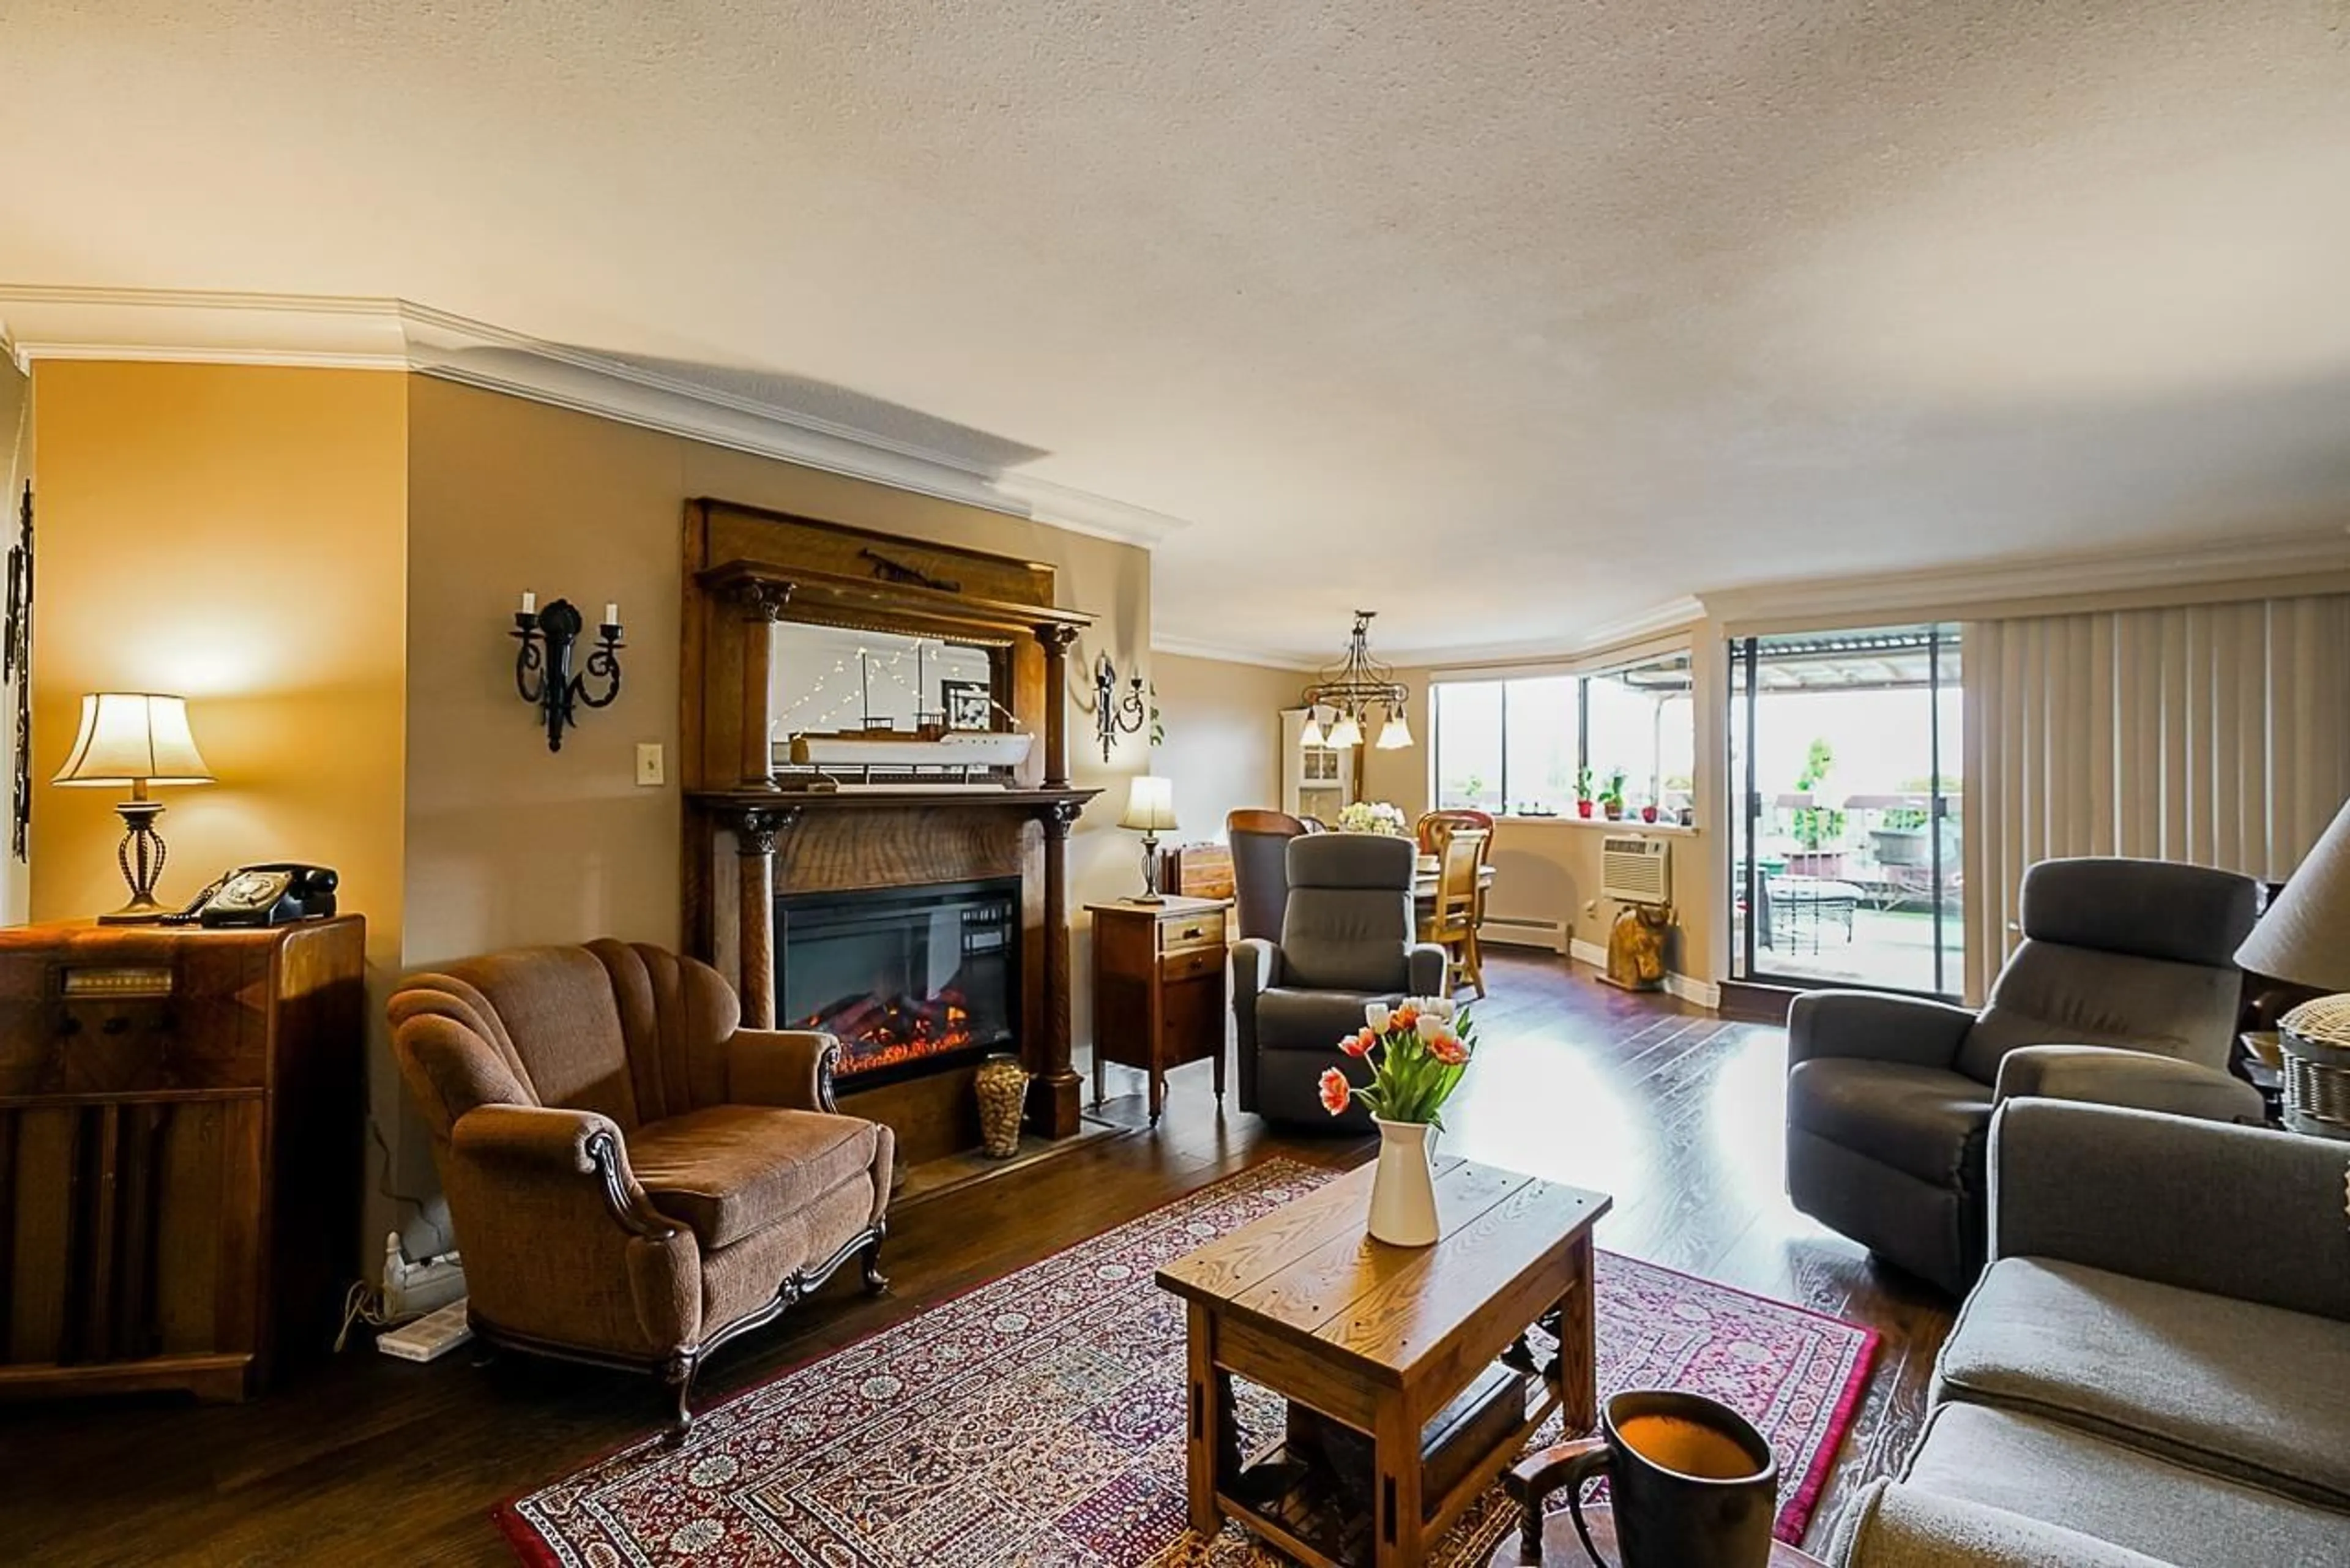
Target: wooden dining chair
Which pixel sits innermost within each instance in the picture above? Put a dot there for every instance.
(1431, 821)
(1456, 911)
(1457, 815)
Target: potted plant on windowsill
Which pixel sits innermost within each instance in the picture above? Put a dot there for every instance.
(1611, 799)
(1583, 792)
(1417, 1051)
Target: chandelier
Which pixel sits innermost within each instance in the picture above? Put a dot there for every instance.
(1352, 689)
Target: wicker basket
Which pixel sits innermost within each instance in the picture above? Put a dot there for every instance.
(2315, 1040)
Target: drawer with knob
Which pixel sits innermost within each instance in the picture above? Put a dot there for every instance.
(1192, 933)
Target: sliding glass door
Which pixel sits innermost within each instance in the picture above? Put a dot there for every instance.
(1845, 851)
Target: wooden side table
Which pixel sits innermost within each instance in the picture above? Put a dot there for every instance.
(1159, 990)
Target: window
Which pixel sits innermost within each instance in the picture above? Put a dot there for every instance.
(1515, 746)
(1467, 720)
(1541, 744)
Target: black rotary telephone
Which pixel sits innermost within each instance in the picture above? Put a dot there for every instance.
(266, 895)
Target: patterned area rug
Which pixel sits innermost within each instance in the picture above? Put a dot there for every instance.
(1037, 1420)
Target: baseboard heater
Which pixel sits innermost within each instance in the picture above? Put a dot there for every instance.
(1512, 931)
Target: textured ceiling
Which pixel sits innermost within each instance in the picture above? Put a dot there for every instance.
(1510, 318)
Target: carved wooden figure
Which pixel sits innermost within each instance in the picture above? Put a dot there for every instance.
(1635, 946)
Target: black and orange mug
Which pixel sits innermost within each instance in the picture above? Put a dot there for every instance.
(1691, 1482)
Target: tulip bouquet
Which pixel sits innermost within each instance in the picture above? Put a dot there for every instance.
(1418, 1050)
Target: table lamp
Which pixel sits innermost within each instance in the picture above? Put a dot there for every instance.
(135, 738)
(2304, 938)
(1151, 808)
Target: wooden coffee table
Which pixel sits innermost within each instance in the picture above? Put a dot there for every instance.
(1416, 1357)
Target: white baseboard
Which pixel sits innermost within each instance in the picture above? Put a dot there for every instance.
(1697, 993)
(1512, 932)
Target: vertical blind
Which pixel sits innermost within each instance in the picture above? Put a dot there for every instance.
(2213, 733)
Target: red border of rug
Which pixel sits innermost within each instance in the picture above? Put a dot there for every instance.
(1795, 1515)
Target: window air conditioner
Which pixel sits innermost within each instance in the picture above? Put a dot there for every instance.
(1635, 870)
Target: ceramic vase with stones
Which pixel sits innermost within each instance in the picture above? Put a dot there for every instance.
(1003, 1088)
(1403, 1189)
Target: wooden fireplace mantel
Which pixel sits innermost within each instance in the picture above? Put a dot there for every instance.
(746, 570)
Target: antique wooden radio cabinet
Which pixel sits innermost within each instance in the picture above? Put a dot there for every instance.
(180, 1152)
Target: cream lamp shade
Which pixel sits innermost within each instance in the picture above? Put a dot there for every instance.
(1151, 808)
(1151, 804)
(1395, 734)
(2305, 937)
(134, 738)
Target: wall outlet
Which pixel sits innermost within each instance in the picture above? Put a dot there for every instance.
(651, 770)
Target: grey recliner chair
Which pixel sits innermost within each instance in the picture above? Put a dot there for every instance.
(2124, 992)
(1347, 940)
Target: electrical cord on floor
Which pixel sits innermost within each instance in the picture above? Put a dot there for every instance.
(360, 1304)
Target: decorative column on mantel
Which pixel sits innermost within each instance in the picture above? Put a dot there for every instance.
(1052, 1093)
(755, 830)
(1057, 637)
(762, 604)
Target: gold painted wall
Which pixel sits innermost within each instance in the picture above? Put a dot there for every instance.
(237, 534)
(16, 467)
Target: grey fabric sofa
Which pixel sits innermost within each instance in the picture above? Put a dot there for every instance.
(2155, 1368)
(1347, 940)
(2124, 992)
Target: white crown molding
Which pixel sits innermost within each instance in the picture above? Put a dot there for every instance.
(1186, 648)
(1659, 620)
(2202, 564)
(350, 332)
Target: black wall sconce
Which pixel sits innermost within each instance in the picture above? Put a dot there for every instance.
(542, 664)
(1115, 715)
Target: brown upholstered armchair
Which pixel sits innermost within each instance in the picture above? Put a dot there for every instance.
(635, 1180)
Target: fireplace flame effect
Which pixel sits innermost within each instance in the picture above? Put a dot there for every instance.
(884, 1032)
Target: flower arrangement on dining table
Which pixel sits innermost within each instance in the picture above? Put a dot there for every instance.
(1418, 1050)
(1378, 816)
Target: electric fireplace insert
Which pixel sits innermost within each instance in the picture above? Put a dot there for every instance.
(909, 980)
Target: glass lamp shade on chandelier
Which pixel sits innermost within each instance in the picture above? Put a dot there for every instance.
(139, 739)
(1357, 689)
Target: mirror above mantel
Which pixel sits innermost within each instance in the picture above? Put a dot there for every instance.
(855, 706)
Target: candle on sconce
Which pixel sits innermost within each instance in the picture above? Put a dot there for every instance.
(529, 603)
(612, 614)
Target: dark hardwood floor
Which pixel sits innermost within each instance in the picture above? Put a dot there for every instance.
(372, 1460)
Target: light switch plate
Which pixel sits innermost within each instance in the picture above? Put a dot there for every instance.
(651, 769)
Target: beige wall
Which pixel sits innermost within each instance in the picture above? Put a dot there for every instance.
(1549, 870)
(1223, 749)
(509, 844)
